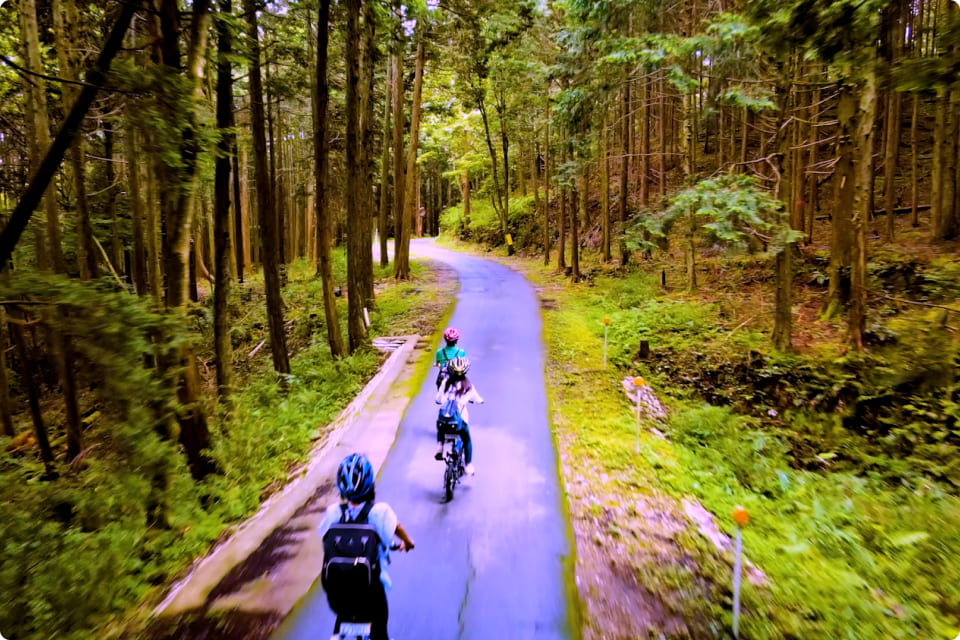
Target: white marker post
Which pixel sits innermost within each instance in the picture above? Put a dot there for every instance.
(606, 325)
(741, 517)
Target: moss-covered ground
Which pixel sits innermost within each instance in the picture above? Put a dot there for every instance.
(854, 532)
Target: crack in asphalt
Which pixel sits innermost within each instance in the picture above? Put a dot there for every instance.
(461, 614)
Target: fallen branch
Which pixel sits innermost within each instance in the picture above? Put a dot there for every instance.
(107, 259)
(256, 348)
(740, 326)
(922, 304)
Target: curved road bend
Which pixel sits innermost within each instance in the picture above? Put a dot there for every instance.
(488, 565)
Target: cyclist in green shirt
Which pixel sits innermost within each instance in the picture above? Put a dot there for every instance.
(447, 353)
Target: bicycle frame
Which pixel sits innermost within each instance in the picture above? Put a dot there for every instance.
(454, 463)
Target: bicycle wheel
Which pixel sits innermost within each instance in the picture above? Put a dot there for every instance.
(449, 480)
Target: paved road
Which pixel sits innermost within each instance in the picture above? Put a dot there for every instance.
(488, 565)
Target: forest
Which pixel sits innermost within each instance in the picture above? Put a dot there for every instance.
(761, 198)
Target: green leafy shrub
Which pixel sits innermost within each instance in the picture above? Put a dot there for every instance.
(84, 548)
(854, 542)
(484, 226)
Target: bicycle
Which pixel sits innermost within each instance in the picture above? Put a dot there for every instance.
(454, 458)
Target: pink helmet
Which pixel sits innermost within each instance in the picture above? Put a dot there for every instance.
(451, 334)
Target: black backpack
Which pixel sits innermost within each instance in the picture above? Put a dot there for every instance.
(351, 564)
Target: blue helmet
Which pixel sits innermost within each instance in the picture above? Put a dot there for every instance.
(355, 477)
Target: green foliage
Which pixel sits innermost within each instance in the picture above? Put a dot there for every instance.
(484, 226)
(848, 549)
(729, 210)
(750, 98)
(84, 548)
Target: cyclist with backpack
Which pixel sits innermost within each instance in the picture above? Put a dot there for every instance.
(357, 534)
(453, 396)
(448, 352)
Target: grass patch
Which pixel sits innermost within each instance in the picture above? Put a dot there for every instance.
(848, 552)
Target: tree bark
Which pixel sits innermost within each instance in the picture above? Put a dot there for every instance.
(152, 221)
(176, 203)
(580, 197)
(238, 226)
(645, 146)
(562, 223)
(891, 158)
(605, 190)
(6, 419)
(66, 29)
(787, 190)
(400, 267)
(845, 178)
(412, 184)
(624, 173)
(321, 169)
(863, 143)
(914, 162)
(265, 203)
(39, 429)
(813, 189)
(950, 224)
(39, 133)
(354, 197)
(783, 318)
(497, 199)
(500, 103)
(546, 180)
(367, 147)
(60, 352)
(384, 213)
(139, 266)
(115, 250)
(221, 208)
(937, 222)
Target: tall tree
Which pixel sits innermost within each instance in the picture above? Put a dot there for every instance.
(6, 418)
(321, 169)
(625, 134)
(67, 32)
(221, 217)
(401, 267)
(139, 265)
(368, 61)
(265, 198)
(178, 168)
(355, 199)
(546, 180)
(384, 212)
(413, 187)
(38, 128)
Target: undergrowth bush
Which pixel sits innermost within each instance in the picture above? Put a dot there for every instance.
(853, 526)
(484, 224)
(83, 548)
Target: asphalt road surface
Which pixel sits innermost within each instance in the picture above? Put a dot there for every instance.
(490, 564)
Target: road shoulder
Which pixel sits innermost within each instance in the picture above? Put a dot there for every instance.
(256, 576)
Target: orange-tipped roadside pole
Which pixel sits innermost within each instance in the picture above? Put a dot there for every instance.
(741, 518)
(606, 325)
